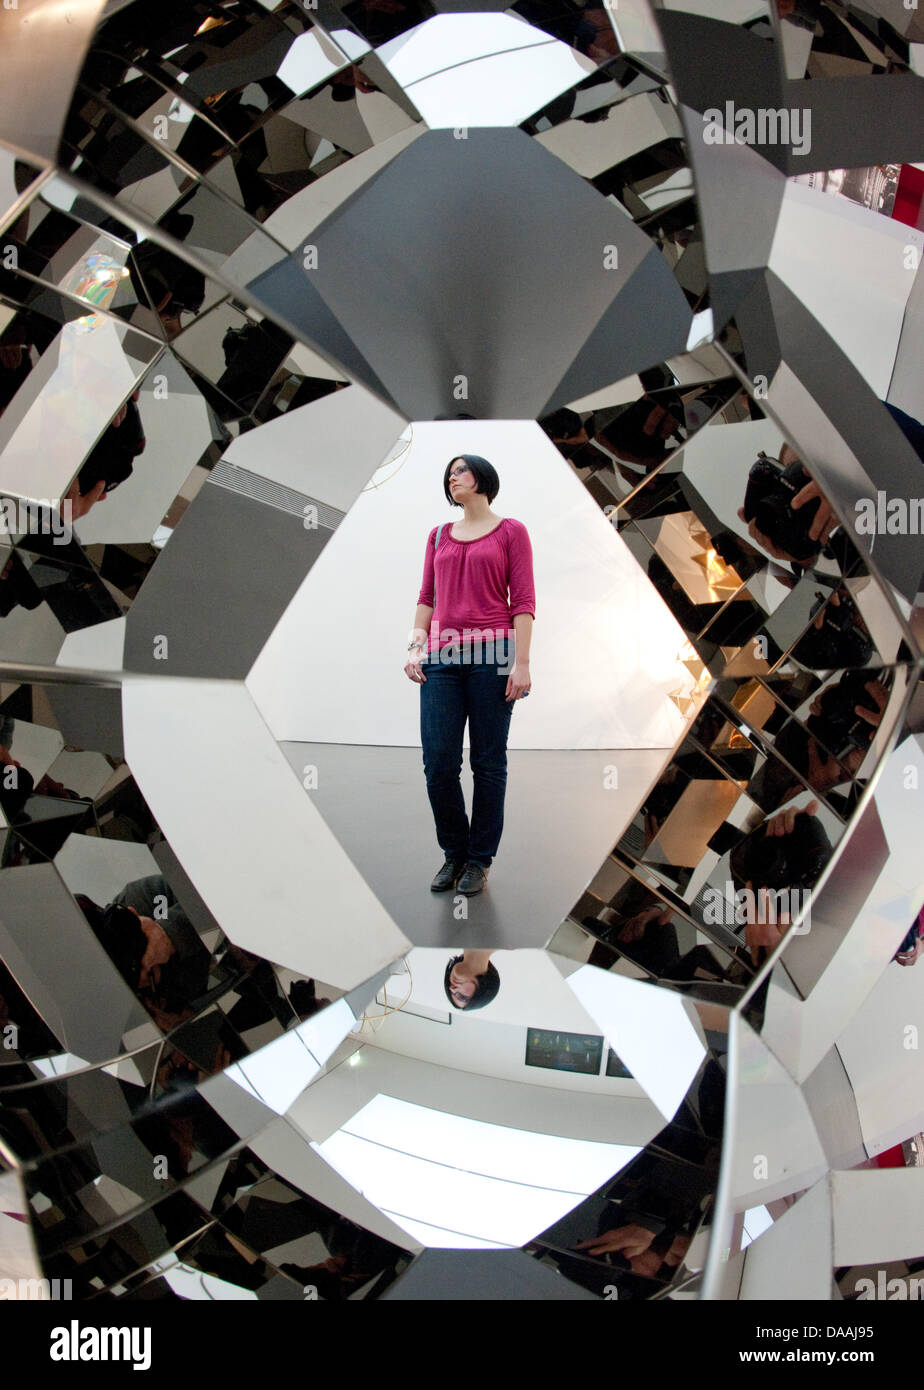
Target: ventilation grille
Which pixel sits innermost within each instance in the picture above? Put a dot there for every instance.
(272, 494)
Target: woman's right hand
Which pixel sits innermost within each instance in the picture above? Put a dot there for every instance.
(412, 667)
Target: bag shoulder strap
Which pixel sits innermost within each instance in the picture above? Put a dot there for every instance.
(439, 532)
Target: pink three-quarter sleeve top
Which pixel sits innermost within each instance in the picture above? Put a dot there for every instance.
(472, 583)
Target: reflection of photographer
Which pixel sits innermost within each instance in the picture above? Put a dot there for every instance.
(33, 1037)
(172, 286)
(252, 355)
(788, 515)
(110, 461)
(644, 1250)
(344, 85)
(15, 366)
(845, 716)
(641, 435)
(571, 436)
(718, 622)
(830, 749)
(16, 784)
(639, 926)
(470, 980)
(780, 860)
(381, 20)
(586, 28)
(158, 953)
(842, 31)
(912, 945)
(837, 635)
(25, 330)
(648, 1215)
(61, 577)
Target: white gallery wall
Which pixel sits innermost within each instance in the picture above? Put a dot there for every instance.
(604, 659)
(499, 1050)
(492, 1040)
(330, 1102)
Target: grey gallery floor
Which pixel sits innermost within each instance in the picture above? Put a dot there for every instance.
(560, 823)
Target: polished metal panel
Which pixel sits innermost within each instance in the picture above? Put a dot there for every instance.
(247, 252)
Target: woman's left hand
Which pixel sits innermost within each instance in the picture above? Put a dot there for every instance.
(518, 683)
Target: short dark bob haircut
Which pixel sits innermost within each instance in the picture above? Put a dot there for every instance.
(486, 985)
(486, 478)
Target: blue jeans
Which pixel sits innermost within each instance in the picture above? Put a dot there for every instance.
(467, 683)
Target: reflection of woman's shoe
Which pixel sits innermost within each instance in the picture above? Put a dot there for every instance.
(446, 878)
(473, 879)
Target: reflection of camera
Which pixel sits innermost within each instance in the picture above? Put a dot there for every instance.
(120, 934)
(585, 456)
(161, 274)
(841, 640)
(122, 937)
(770, 491)
(636, 432)
(783, 861)
(252, 354)
(838, 727)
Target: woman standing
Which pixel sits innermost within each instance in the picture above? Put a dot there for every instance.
(466, 637)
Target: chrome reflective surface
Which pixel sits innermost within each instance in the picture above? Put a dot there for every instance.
(264, 271)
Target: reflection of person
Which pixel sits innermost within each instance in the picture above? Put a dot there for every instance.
(110, 461)
(344, 85)
(168, 930)
(823, 523)
(32, 1038)
(784, 856)
(26, 329)
(462, 666)
(60, 576)
(572, 437)
(634, 1241)
(832, 747)
(815, 767)
(275, 1214)
(153, 945)
(381, 20)
(172, 286)
(638, 925)
(16, 784)
(471, 981)
(253, 354)
(647, 1217)
(837, 637)
(912, 944)
(642, 433)
(839, 29)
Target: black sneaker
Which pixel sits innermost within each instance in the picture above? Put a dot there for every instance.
(473, 879)
(446, 878)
